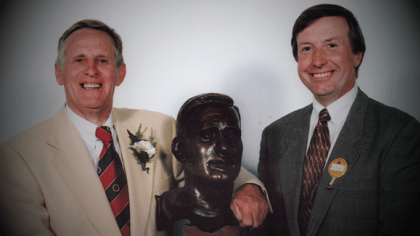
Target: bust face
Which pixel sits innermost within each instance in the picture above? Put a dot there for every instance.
(214, 145)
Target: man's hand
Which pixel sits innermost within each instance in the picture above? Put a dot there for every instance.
(249, 206)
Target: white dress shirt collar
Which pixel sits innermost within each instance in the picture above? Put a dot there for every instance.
(87, 131)
(339, 109)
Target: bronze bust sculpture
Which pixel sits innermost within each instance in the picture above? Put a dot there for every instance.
(209, 145)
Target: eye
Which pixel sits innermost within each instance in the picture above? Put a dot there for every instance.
(206, 135)
(332, 45)
(102, 61)
(233, 133)
(79, 60)
(306, 49)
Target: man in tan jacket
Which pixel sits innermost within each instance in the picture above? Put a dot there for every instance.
(49, 173)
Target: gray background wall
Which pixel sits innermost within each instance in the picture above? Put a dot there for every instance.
(177, 49)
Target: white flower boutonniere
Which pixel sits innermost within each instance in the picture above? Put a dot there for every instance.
(143, 150)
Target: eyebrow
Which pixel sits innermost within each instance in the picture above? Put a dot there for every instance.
(84, 55)
(326, 40)
(330, 39)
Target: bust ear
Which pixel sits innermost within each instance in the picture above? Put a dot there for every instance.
(179, 149)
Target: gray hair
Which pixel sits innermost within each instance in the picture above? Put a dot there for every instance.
(91, 24)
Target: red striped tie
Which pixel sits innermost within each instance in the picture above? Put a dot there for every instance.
(313, 168)
(113, 179)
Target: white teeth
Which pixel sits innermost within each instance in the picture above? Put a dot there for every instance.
(322, 75)
(92, 86)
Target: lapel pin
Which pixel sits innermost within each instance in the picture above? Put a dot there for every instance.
(336, 169)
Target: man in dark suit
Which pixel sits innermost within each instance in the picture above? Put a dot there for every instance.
(345, 164)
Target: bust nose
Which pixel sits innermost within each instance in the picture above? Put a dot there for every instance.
(223, 147)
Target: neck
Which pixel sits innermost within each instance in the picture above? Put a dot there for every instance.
(208, 197)
(326, 100)
(97, 116)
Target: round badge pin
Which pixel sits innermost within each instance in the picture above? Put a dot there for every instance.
(336, 169)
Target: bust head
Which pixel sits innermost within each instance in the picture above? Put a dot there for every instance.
(209, 144)
(209, 139)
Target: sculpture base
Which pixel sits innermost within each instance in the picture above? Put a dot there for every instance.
(228, 230)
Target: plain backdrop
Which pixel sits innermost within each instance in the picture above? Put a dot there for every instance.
(177, 49)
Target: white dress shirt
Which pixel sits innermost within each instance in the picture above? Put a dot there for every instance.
(338, 111)
(87, 132)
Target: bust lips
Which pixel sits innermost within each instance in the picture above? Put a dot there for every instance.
(220, 165)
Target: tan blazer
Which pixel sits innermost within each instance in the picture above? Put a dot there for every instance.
(49, 185)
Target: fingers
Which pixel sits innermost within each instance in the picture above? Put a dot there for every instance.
(236, 211)
(247, 222)
(250, 215)
(245, 219)
(254, 218)
(249, 206)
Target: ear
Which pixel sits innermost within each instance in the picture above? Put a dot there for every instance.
(121, 74)
(179, 149)
(357, 59)
(58, 75)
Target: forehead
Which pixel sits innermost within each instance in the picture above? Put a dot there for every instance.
(213, 114)
(92, 39)
(325, 28)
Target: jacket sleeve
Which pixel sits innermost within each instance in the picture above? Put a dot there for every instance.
(400, 182)
(22, 205)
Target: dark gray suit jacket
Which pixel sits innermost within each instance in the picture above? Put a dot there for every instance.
(378, 194)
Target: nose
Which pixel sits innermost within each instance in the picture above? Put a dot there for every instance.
(318, 58)
(222, 147)
(91, 68)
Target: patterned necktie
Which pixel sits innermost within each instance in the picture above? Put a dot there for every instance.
(313, 168)
(113, 179)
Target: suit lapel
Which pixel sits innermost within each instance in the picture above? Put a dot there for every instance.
(76, 169)
(345, 148)
(291, 165)
(140, 183)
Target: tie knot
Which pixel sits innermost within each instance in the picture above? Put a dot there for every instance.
(324, 115)
(103, 133)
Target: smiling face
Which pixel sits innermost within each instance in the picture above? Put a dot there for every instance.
(214, 145)
(89, 72)
(326, 63)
